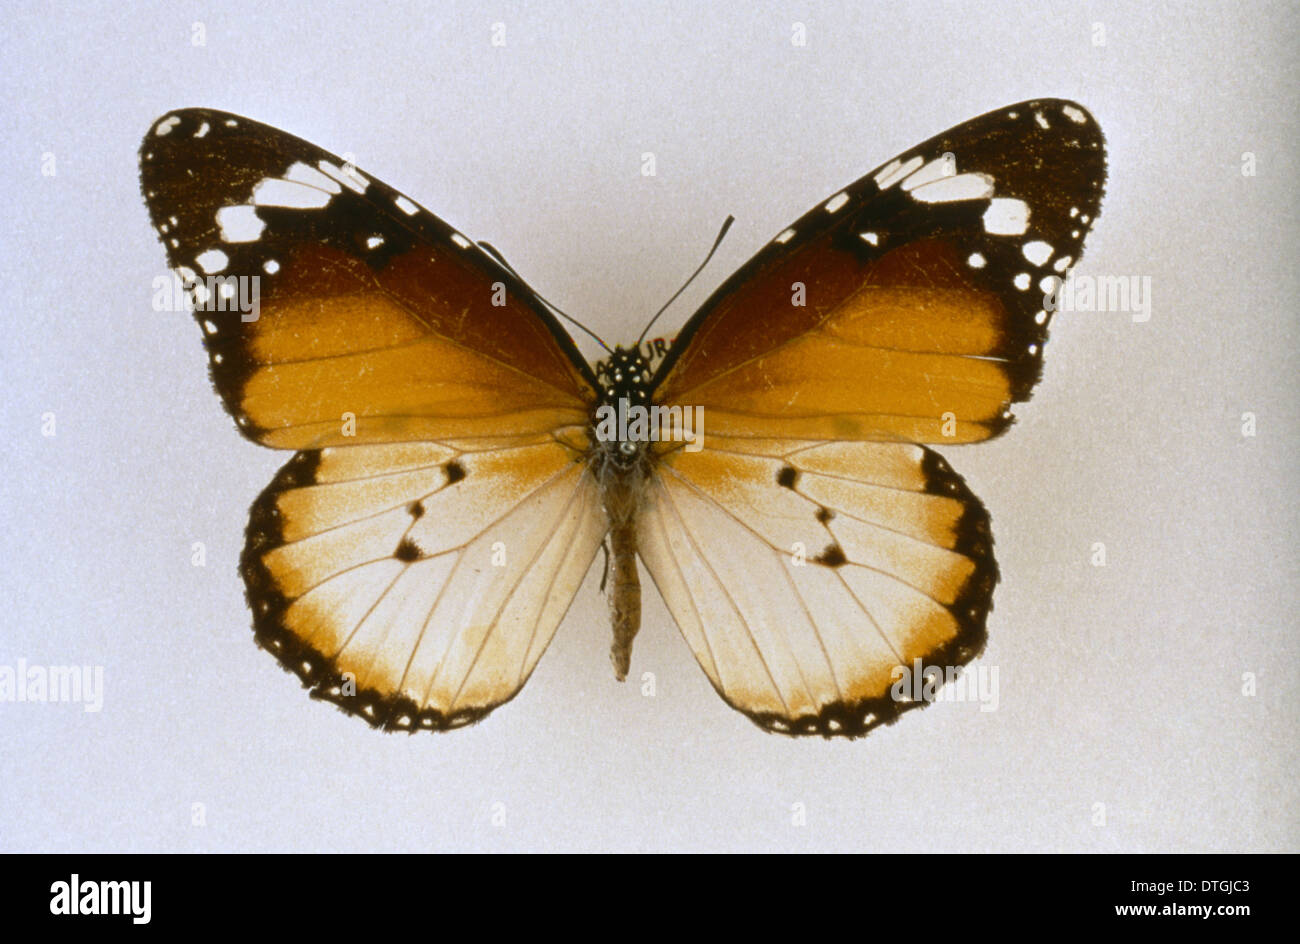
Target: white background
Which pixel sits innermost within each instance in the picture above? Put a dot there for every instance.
(1119, 685)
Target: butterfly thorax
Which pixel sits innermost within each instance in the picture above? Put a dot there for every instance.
(625, 391)
(621, 465)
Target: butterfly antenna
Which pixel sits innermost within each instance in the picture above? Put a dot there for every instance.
(501, 261)
(726, 225)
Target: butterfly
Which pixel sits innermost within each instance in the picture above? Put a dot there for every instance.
(457, 463)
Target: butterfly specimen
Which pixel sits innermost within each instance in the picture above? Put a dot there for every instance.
(458, 464)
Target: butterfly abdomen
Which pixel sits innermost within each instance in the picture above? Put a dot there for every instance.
(625, 598)
(621, 465)
(622, 492)
(622, 488)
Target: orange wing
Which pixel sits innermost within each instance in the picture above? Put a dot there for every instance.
(366, 304)
(913, 304)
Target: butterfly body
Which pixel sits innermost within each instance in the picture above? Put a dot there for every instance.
(621, 465)
(457, 463)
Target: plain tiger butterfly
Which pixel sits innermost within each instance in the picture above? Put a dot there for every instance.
(457, 463)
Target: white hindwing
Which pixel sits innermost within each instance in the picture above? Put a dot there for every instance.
(417, 584)
(802, 573)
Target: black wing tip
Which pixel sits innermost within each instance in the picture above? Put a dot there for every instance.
(386, 712)
(167, 150)
(158, 146)
(1050, 101)
(1060, 153)
(184, 114)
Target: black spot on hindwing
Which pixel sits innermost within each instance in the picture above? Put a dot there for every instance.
(408, 551)
(832, 556)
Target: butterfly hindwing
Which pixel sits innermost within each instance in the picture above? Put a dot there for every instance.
(802, 574)
(418, 584)
(910, 305)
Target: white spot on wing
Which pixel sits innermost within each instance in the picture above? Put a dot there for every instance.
(1074, 114)
(165, 126)
(351, 178)
(1042, 120)
(1037, 252)
(837, 201)
(214, 260)
(960, 187)
(1006, 216)
(784, 236)
(406, 206)
(1021, 281)
(240, 224)
(460, 241)
(894, 171)
(871, 238)
(938, 169)
(976, 260)
(301, 173)
(285, 193)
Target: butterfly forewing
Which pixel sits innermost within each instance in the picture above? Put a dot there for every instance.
(912, 304)
(366, 304)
